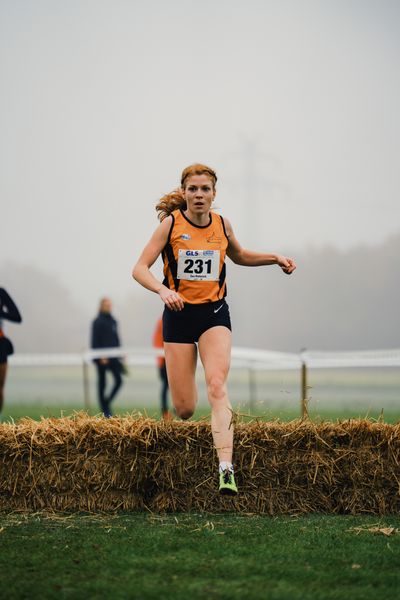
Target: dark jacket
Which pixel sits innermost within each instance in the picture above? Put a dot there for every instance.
(105, 332)
(8, 309)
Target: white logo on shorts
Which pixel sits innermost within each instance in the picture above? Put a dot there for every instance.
(219, 308)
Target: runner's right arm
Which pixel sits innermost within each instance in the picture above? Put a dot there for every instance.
(141, 271)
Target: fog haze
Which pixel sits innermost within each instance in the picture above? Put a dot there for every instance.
(343, 300)
(294, 103)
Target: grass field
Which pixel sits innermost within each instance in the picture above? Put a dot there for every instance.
(144, 556)
(38, 410)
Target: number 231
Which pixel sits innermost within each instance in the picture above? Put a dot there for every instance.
(197, 266)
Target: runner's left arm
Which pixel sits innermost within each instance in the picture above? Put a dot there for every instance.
(249, 258)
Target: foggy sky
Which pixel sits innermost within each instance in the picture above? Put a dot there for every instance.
(103, 103)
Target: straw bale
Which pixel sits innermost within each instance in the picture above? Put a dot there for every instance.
(136, 463)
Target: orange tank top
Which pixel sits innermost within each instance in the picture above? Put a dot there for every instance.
(194, 259)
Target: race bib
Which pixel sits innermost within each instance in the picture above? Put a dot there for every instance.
(198, 265)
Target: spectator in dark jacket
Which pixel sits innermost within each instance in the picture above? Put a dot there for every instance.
(9, 311)
(105, 335)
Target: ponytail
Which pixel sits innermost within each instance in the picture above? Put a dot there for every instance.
(169, 203)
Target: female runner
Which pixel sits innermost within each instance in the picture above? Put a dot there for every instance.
(193, 241)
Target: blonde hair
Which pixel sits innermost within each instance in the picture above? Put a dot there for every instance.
(175, 199)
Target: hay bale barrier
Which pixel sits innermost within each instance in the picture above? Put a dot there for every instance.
(136, 463)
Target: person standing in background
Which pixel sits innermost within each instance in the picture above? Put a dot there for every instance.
(105, 335)
(158, 342)
(9, 311)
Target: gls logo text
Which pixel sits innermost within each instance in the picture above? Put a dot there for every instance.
(192, 253)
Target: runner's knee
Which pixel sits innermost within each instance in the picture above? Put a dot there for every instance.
(216, 388)
(184, 413)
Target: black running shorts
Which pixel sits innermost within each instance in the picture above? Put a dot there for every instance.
(187, 325)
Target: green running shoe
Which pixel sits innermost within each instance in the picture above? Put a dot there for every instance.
(227, 485)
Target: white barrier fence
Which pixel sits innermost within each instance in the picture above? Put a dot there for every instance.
(242, 358)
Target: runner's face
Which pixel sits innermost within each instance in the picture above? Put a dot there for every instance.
(199, 193)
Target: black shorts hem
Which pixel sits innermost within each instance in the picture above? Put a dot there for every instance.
(187, 326)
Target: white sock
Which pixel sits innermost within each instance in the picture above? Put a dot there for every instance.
(224, 464)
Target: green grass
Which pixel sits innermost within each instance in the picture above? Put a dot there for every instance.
(198, 556)
(37, 410)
